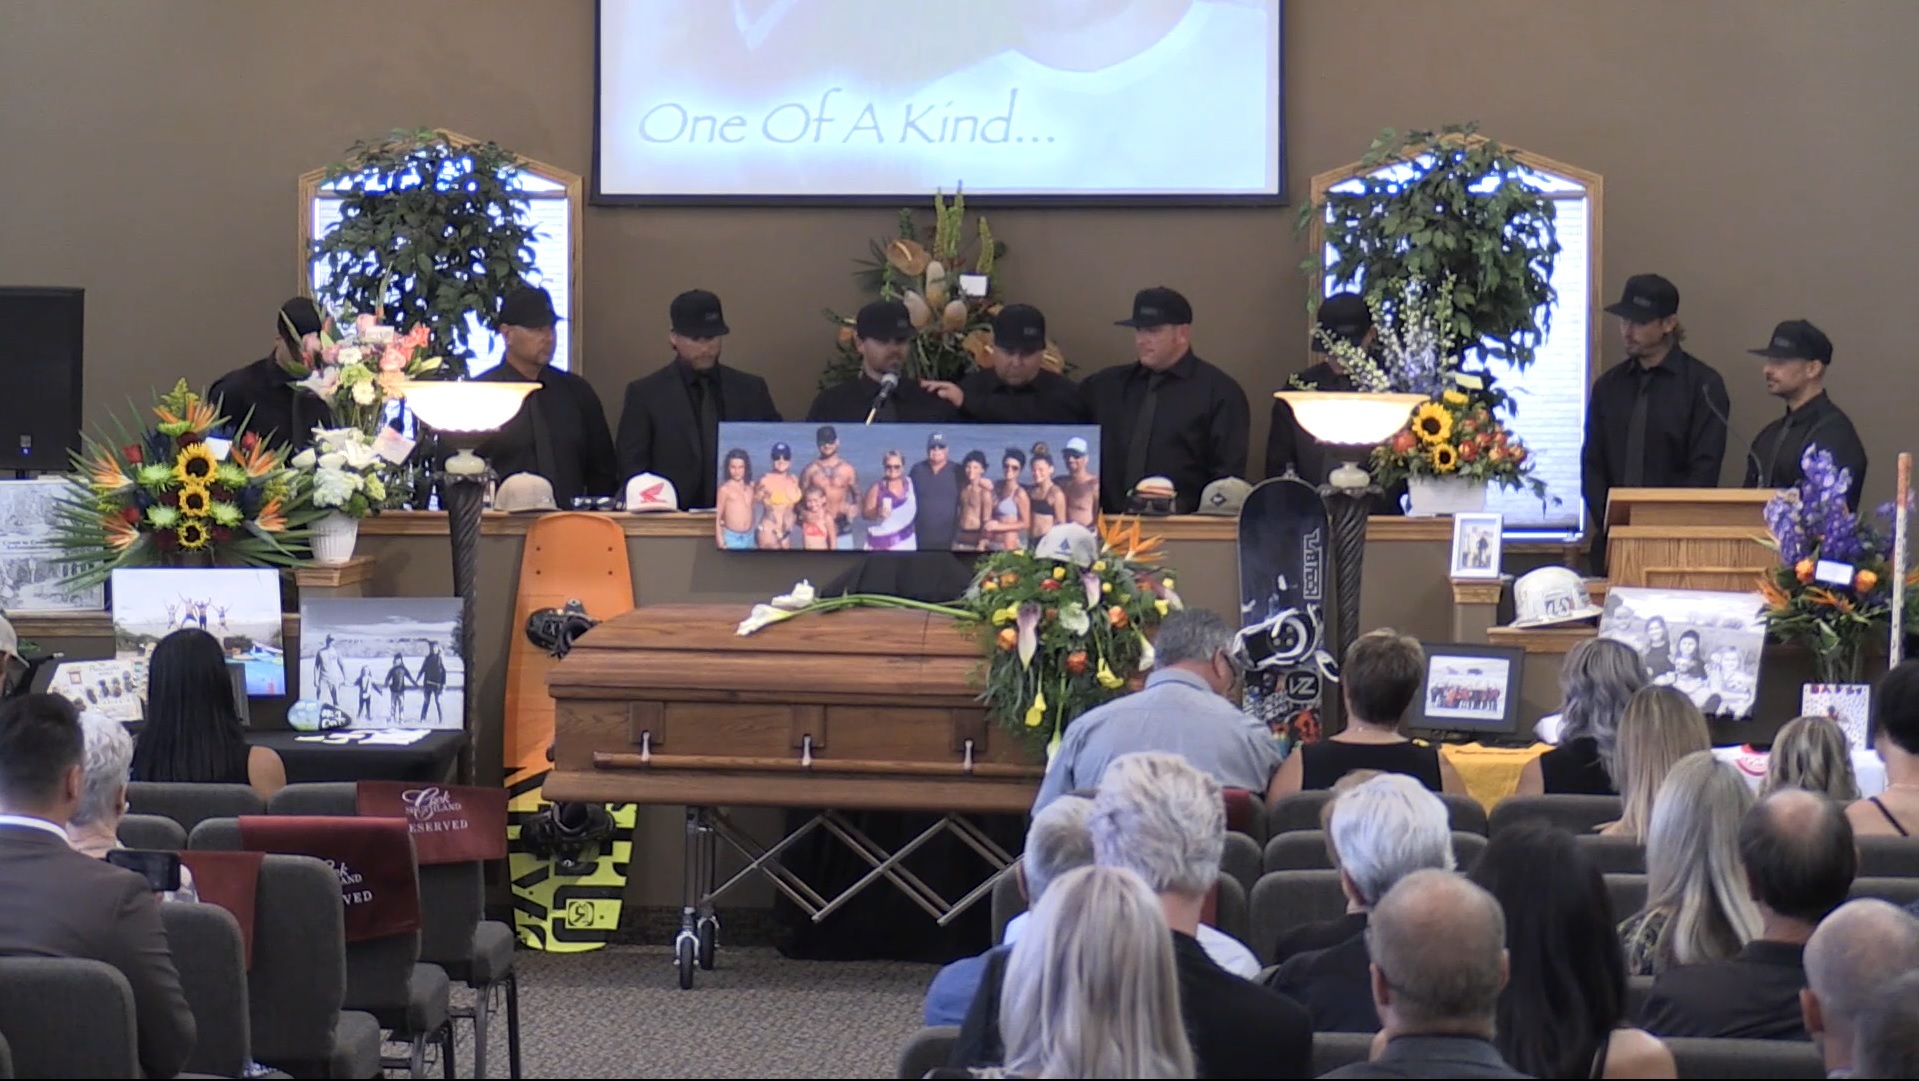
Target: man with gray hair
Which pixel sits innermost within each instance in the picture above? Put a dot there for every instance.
(1183, 710)
(1438, 964)
(1159, 817)
(1852, 955)
(1383, 830)
(1056, 843)
(1887, 1044)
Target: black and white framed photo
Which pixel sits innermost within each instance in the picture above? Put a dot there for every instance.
(388, 662)
(1705, 643)
(31, 577)
(1470, 688)
(1476, 539)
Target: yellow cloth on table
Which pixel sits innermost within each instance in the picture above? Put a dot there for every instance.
(1491, 773)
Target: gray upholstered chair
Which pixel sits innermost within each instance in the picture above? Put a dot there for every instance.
(299, 976)
(1300, 811)
(1305, 850)
(68, 1017)
(1242, 860)
(6, 1061)
(1284, 900)
(1577, 814)
(1638, 989)
(152, 832)
(1889, 857)
(1331, 1050)
(1898, 889)
(211, 958)
(1628, 893)
(1746, 1058)
(453, 935)
(192, 804)
(929, 1049)
(1614, 855)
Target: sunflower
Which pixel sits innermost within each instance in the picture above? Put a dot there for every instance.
(194, 500)
(196, 465)
(193, 535)
(1453, 397)
(1432, 423)
(1444, 458)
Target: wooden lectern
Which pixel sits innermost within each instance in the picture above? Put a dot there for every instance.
(1688, 538)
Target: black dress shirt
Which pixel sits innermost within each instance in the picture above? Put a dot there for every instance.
(567, 413)
(1781, 444)
(1050, 398)
(849, 402)
(1334, 984)
(1317, 936)
(1752, 995)
(937, 497)
(1237, 1028)
(1685, 431)
(659, 425)
(1201, 427)
(1288, 444)
(262, 398)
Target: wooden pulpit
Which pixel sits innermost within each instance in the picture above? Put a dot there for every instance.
(1688, 538)
(865, 708)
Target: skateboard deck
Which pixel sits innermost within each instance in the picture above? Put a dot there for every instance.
(568, 556)
(1283, 586)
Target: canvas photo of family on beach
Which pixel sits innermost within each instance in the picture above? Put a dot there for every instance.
(902, 487)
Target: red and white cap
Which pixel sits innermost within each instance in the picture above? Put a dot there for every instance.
(650, 493)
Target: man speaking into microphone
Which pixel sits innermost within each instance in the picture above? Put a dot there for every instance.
(1656, 419)
(881, 333)
(1796, 361)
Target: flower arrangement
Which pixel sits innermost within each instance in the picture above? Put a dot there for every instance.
(948, 287)
(1415, 350)
(1832, 589)
(357, 366)
(343, 472)
(164, 493)
(1459, 434)
(1062, 625)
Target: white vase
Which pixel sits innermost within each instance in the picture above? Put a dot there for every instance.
(1436, 497)
(333, 538)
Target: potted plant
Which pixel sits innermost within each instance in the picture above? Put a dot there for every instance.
(342, 470)
(431, 231)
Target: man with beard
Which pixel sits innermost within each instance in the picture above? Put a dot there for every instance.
(1017, 389)
(560, 431)
(264, 397)
(882, 331)
(1796, 363)
(837, 481)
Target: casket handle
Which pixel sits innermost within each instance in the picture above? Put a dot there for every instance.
(806, 751)
(967, 765)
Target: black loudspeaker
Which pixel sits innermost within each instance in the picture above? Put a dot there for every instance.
(41, 329)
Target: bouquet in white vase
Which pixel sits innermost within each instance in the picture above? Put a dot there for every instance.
(342, 470)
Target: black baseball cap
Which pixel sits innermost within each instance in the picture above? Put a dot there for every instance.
(935, 440)
(696, 314)
(1158, 307)
(1797, 339)
(884, 321)
(528, 306)
(781, 450)
(300, 317)
(825, 435)
(1019, 328)
(1343, 317)
(1647, 297)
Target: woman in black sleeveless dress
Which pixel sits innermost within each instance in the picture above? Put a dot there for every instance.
(1596, 681)
(1378, 679)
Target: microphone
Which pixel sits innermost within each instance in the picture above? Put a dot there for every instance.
(1758, 467)
(889, 383)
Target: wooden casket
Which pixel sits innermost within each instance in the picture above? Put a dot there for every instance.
(859, 709)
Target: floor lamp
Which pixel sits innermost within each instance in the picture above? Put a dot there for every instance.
(463, 413)
(1350, 424)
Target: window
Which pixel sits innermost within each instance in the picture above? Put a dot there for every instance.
(1550, 395)
(553, 209)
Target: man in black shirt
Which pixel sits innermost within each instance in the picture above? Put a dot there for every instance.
(936, 492)
(1169, 414)
(881, 331)
(1796, 363)
(560, 431)
(1658, 418)
(1016, 389)
(671, 421)
(263, 397)
(1343, 317)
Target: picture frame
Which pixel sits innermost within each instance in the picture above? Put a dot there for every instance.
(388, 662)
(1707, 644)
(1477, 540)
(238, 606)
(1469, 687)
(1849, 705)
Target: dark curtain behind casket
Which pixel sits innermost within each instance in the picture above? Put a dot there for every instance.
(881, 922)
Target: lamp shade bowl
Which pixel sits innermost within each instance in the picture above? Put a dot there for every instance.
(1350, 418)
(464, 405)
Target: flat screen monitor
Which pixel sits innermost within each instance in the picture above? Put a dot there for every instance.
(1469, 688)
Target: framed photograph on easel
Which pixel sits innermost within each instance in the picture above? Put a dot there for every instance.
(1476, 543)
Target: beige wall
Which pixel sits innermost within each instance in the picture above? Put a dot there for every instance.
(1753, 150)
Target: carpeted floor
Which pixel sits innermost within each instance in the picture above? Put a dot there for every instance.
(619, 1012)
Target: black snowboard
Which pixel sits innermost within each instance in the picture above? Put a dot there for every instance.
(1284, 571)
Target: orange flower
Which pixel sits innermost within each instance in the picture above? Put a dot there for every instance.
(197, 416)
(1864, 581)
(1076, 662)
(1008, 580)
(1775, 596)
(1802, 570)
(106, 474)
(258, 459)
(1121, 536)
(1117, 617)
(270, 518)
(119, 534)
(1008, 638)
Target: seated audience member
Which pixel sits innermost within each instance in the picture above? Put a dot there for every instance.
(1157, 816)
(1317, 936)
(1092, 989)
(1383, 830)
(1895, 727)
(1563, 1013)
(1887, 1043)
(1438, 947)
(1698, 903)
(193, 732)
(95, 824)
(1800, 860)
(1811, 753)
(1596, 681)
(1181, 711)
(56, 901)
(1057, 842)
(1378, 680)
(1850, 959)
(1660, 727)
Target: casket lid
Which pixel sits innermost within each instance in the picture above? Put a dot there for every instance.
(854, 632)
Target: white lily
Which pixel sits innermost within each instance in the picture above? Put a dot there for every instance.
(801, 596)
(1146, 655)
(763, 615)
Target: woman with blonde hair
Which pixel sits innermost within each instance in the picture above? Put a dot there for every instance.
(1660, 726)
(1698, 906)
(1091, 989)
(1811, 753)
